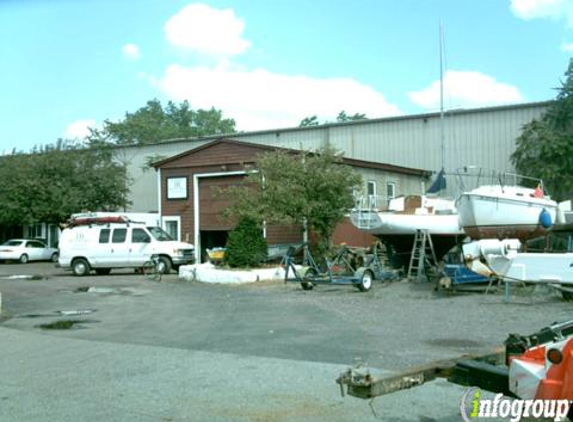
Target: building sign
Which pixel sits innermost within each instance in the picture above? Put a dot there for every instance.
(176, 188)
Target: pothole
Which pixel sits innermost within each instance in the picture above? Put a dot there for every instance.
(65, 324)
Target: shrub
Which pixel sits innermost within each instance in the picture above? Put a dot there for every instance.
(246, 246)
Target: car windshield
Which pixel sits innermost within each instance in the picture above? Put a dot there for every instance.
(159, 234)
(13, 243)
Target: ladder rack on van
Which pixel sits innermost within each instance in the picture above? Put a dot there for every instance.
(88, 221)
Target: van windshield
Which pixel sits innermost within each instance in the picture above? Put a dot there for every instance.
(159, 234)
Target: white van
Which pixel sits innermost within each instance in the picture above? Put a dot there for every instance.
(102, 247)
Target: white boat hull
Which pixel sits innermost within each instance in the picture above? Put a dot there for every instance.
(389, 223)
(398, 230)
(484, 213)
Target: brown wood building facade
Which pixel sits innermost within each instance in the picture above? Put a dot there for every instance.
(188, 205)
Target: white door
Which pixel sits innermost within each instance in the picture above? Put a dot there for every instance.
(35, 250)
(139, 251)
(120, 247)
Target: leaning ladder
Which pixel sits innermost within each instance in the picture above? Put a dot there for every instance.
(423, 255)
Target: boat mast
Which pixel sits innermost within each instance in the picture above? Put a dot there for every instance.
(442, 136)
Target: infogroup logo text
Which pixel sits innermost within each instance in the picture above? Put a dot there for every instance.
(473, 407)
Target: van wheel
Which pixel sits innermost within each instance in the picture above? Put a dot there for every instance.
(80, 267)
(164, 265)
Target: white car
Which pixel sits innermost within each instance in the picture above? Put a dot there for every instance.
(24, 250)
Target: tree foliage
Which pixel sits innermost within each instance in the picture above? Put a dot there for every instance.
(51, 183)
(309, 121)
(342, 117)
(246, 246)
(298, 188)
(153, 123)
(545, 147)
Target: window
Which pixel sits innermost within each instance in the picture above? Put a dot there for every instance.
(140, 236)
(119, 235)
(390, 191)
(171, 226)
(35, 231)
(104, 235)
(371, 190)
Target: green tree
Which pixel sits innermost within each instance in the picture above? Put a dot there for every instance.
(153, 123)
(545, 147)
(51, 183)
(298, 188)
(246, 246)
(342, 117)
(309, 121)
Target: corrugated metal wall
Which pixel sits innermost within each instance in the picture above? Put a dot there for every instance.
(480, 137)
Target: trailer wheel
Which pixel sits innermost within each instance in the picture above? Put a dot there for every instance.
(306, 282)
(366, 281)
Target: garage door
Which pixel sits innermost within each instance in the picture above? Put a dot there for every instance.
(211, 202)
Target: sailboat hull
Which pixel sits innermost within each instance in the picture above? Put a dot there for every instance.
(397, 231)
(491, 212)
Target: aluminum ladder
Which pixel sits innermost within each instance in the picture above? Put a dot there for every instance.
(423, 255)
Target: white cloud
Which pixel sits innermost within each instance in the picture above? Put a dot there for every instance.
(466, 89)
(535, 9)
(79, 129)
(567, 47)
(258, 99)
(131, 51)
(202, 29)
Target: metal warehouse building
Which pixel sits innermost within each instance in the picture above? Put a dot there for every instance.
(483, 137)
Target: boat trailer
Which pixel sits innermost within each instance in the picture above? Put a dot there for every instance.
(536, 366)
(357, 267)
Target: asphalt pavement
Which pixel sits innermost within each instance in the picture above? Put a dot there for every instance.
(180, 351)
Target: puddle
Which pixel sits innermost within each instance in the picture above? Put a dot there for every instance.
(25, 277)
(92, 289)
(77, 312)
(59, 313)
(65, 324)
(125, 291)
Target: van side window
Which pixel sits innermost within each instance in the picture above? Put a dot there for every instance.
(104, 235)
(119, 235)
(140, 236)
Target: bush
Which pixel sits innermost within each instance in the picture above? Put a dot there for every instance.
(246, 246)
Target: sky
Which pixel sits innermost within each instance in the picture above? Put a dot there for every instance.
(67, 65)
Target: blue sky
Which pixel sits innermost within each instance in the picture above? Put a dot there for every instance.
(70, 64)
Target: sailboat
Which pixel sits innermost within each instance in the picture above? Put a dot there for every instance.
(396, 225)
(506, 209)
